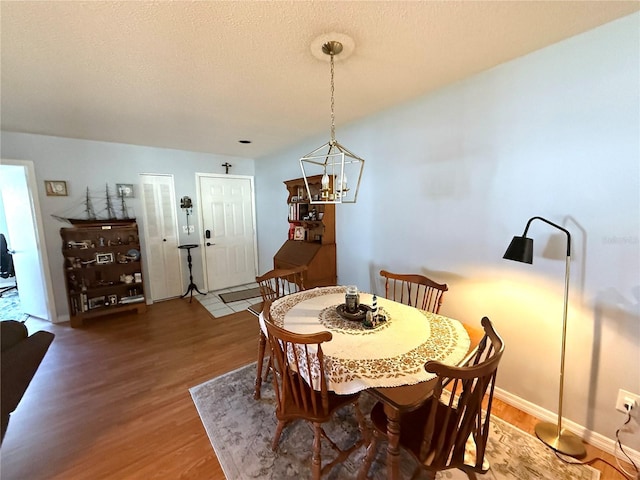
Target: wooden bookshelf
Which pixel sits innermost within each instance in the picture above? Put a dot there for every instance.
(312, 235)
(103, 270)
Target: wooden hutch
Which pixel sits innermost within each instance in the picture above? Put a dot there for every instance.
(312, 235)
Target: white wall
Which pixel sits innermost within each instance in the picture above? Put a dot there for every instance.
(451, 177)
(93, 164)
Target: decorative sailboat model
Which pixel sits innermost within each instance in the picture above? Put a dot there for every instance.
(85, 213)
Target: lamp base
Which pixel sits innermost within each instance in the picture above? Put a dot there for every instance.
(567, 442)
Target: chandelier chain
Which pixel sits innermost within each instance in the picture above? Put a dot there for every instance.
(333, 117)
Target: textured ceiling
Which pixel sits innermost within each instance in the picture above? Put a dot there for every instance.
(202, 75)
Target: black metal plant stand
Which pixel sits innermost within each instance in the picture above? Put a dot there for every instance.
(192, 286)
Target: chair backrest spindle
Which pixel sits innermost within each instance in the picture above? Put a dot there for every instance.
(279, 282)
(298, 360)
(415, 290)
(455, 420)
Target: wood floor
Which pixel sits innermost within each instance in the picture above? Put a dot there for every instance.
(111, 399)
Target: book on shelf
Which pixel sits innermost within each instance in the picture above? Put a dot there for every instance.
(297, 211)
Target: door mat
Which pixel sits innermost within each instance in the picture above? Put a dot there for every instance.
(241, 295)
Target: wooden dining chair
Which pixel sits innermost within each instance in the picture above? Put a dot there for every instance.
(275, 284)
(296, 356)
(414, 289)
(449, 430)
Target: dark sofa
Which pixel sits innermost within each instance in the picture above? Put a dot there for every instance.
(20, 358)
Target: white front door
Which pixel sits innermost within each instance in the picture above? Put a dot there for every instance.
(228, 228)
(161, 236)
(26, 238)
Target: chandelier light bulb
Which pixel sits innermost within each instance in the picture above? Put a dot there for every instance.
(325, 181)
(324, 190)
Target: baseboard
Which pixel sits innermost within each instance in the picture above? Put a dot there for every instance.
(592, 438)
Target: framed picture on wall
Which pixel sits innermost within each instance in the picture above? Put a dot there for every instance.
(124, 190)
(56, 188)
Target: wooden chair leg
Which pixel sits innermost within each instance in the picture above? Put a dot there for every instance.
(262, 342)
(316, 461)
(363, 472)
(268, 369)
(365, 432)
(276, 438)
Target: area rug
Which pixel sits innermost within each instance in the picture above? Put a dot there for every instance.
(10, 307)
(240, 295)
(241, 430)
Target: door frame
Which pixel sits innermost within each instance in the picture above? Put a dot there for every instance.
(36, 220)
(199, 176)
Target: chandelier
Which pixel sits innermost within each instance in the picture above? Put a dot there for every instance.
(338, 168)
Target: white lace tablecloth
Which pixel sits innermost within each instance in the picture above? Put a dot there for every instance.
(390, 355)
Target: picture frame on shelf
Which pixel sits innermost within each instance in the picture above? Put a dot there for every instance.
(83, 245)
(298, 233)
(56, 188)
(103, 258)
(113, 299)
(96, 302)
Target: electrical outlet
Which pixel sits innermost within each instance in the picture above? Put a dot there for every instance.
(192, 229)
(628, 398)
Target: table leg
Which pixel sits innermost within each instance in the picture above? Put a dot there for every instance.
(393, 442)
(262, 343)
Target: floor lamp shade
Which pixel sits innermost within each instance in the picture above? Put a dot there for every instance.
(520, 250)
(552, 434)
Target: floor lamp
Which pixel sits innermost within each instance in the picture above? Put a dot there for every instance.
(521, 250)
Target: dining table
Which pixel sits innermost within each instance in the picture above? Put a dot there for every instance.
(386, 359)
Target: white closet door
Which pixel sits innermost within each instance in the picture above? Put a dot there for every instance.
(161, 235)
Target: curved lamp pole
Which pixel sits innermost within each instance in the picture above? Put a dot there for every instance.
(521, 250)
